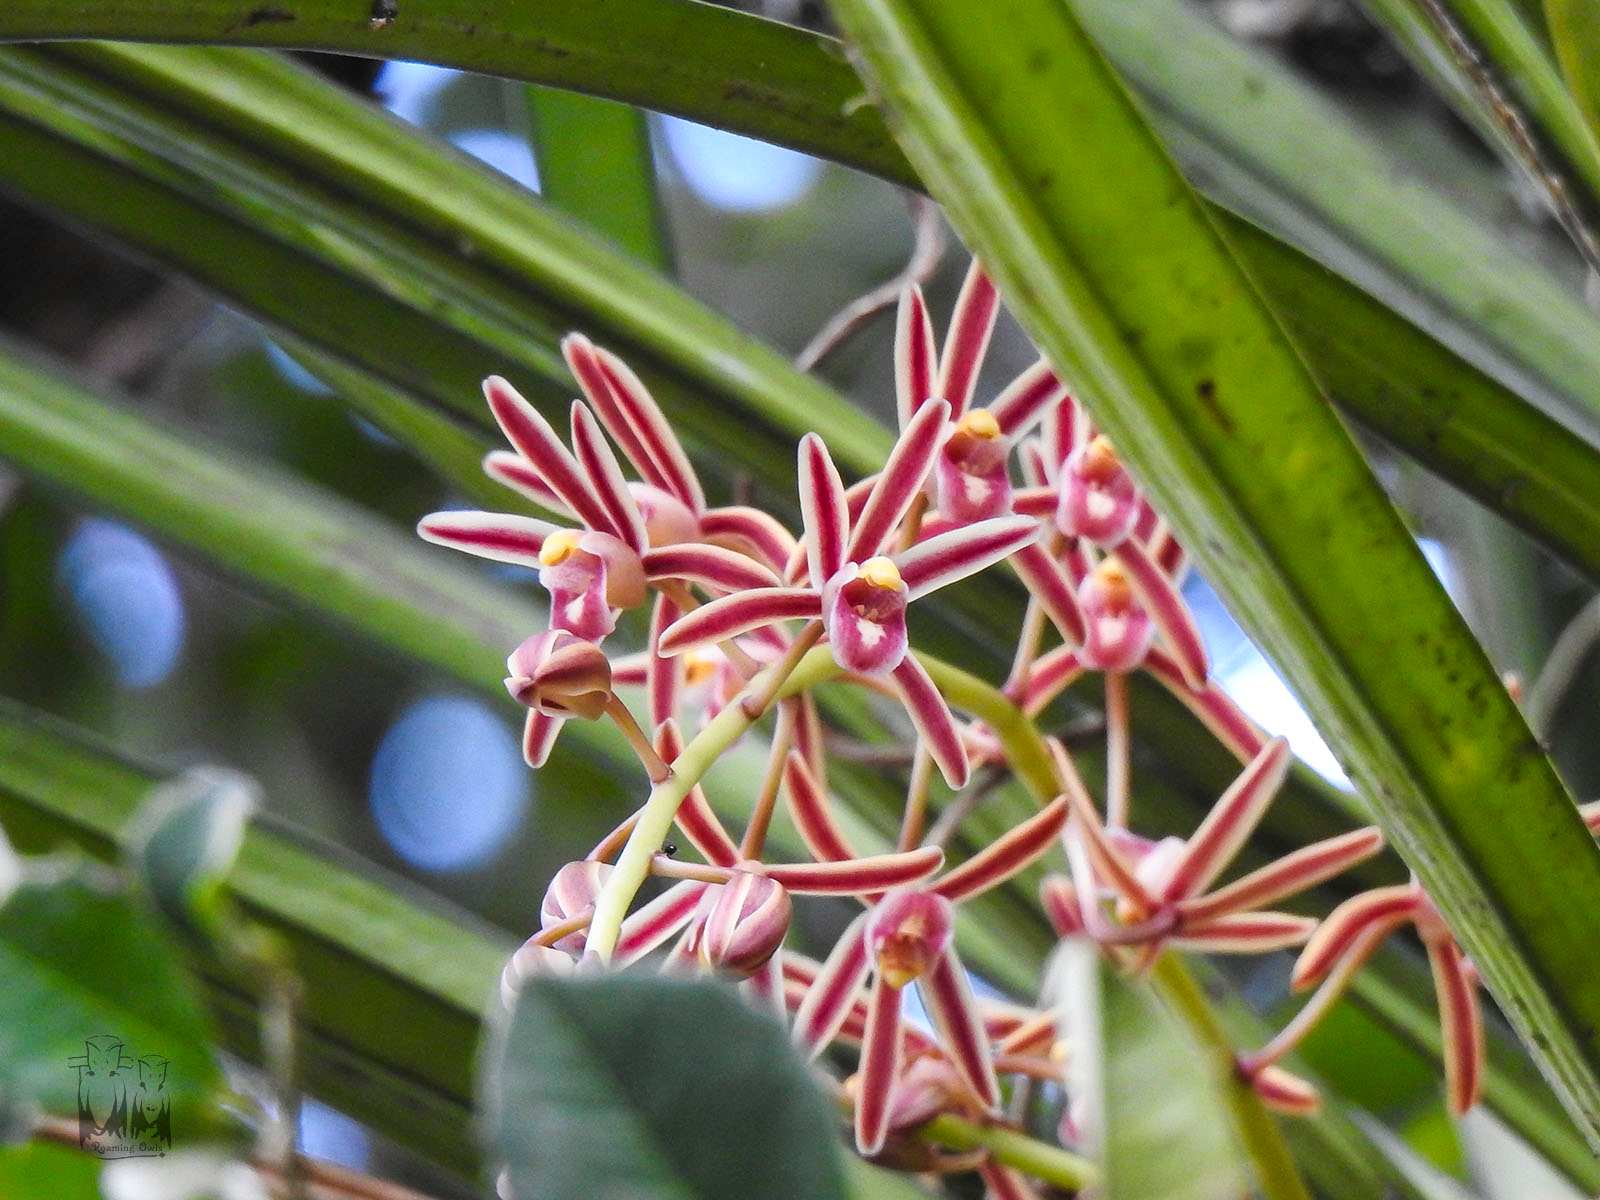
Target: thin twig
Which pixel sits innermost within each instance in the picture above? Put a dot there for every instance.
(964, 804)
(927, 248)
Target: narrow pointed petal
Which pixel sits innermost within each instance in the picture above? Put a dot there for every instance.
(822, 510)
(935, 724)
(739, 613)
(539, 732)
(651, 926)
(899, 481)
(527, 430)
(1060, 902)
(1286, 1093)
(663, 677)
(1345, 924)
(509, 468)
(967, 339)
(832, 991)
(762, 534)
(857, 876)
(604, 473)
(1288, 876)
(1004, 857)
(1027, 398)
(813, 813)
(712, 566)
(585, 366)
(1047, 582)
(1162, 600)
(914, 355)
(880, 1066)
(1110, 864)
(1214, 707)
(695, 818)
(1066, 427)
(1034, 501)
(498, 536)
(1244, 933)
(1051, 675)
(948, 996)
(1002, 1183)
(1229, 823)
(1457, 992)
(942, 560)
(650, 427)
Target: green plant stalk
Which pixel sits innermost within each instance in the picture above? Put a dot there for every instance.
(1574, 27)
(1133, 293)
(1028, 1155)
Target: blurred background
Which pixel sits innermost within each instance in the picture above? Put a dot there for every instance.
(114, 631)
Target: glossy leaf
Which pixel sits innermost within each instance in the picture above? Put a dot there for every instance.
(1215, 413)
(704, 1096)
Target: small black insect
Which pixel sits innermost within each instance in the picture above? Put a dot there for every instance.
(670, 849)
(383, 13)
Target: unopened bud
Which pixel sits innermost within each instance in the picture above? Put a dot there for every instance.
(571, 895)
(560, 674)
(747, 923)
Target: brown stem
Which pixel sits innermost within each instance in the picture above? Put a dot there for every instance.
(915, 820)
(552, 934)
(678, 592)
(673, 868)
(1117, 764)
(654, 764)
(755, 833)
(754, 704)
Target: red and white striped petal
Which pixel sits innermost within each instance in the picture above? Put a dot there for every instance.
(1339, 930)
(1027, 398)
(527, 430)
(711, 566)
(605, 477)
(942, 560)
(654, 434)
(822, 510)
(1036, 500)
(857, 876)
(1288, 876)
(1165, 605)
(1012, 852)
(539, 732)
(808, 737)
(498, 536)
(509, 468)
(880, 1066)
(1110, 862)
(1060, 902)
(650, 926)
(695, 818)
(935, 724)
(663, 677)
(1049, 584)
(1229, 823)
(914, 355)
(947, 994)
(1455, 985)
(1065, 428)
(739, 613)
(967, 339)
(832, 991)
(585, 366)
(1286, 1093)
(748, 528)
(1050, 675)
(1244, 933)
(899, 482)
(1215, 709)
(1002, 1183)
(812, 812)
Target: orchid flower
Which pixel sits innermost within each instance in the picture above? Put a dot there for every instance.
(858, 593)
(970, 476)
(906, 936)
(1344, 942)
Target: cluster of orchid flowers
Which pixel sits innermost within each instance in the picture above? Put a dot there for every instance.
(737, 601)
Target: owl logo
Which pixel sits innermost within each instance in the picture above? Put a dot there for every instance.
(150, 1116)
(104, 1072)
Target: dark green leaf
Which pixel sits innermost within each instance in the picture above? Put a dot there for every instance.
(703, 1097)
(1575, 30)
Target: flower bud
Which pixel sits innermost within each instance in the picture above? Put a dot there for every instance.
(531, 960)
(1098, 498)
(561, 675)
(907, 931)
(747, 923)
(572, 893)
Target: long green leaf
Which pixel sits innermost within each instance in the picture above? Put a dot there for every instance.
(1575, 30)
(1133, 292)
